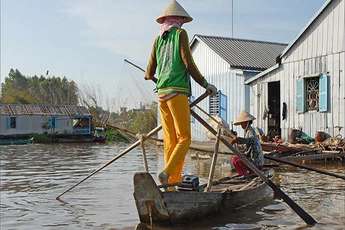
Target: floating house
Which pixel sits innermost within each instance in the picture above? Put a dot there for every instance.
(228, 63)
(305, 89)
(24, 120)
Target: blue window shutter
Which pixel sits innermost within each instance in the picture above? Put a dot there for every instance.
(323, 93)
(223, 106)
(8, 122)
(300, 100)
(49, 122)
(53, 122)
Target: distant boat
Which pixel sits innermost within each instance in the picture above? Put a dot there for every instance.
(16, 141)
(99, 135)
(228, 194)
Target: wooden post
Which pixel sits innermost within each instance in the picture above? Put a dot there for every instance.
(214, 161)
(141, 138)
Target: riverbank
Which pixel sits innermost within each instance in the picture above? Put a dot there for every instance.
(109, 136)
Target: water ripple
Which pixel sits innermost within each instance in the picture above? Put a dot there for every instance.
(33, 175)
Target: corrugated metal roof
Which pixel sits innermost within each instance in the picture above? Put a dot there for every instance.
(263, 73)
(242, 53)
(289, 47)
(45, 110)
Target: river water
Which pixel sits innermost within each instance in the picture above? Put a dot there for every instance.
(33, 175)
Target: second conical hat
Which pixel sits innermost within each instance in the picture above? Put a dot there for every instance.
(243, 117)
(174, 9)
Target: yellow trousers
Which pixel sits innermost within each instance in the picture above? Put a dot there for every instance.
(175, 119)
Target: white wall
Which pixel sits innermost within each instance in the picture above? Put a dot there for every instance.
(319, 50)
(229, 81)
(33, 124)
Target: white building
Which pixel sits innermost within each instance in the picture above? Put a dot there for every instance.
(21, 120)
(228, 63)
(308, 83)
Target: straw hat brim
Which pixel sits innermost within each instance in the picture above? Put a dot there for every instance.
(243, 117)
(174, 9)
(160, 19)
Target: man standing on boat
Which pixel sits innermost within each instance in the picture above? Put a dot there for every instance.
(172, 62)
(252, 142)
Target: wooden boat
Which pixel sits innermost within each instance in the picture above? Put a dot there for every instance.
(280, 148)
(160, 207)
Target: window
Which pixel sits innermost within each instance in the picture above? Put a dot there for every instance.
(312, 93)
(214, 103)
(51, 122)
(13, 122)
(218, 105)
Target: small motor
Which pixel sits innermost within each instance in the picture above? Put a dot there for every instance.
(189, 183)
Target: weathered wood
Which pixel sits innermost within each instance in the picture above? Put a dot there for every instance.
(142, 145)
(305, 167)
(317, 156)
(184, 206)
(248, 185)
(149, 200)
(214, 161)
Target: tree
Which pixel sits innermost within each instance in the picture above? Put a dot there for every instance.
(143, 121)
(43, 90)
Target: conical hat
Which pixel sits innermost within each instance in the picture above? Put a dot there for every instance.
(243, 117)
(174, 9)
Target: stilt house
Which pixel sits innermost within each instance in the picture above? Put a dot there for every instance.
(306, 88)
(228, 63)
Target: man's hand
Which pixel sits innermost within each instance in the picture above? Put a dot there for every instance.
(211, 89)
(233, 141)
(148, 77)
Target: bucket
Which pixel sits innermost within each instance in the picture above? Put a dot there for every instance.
(293, 134)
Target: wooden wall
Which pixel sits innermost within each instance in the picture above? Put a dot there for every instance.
(319, 50)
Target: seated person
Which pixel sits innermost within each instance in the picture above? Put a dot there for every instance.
(252, 145)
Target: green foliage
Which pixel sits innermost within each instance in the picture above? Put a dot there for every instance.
(42, 138)
(113, 135)
(38, 90)
(143, 121)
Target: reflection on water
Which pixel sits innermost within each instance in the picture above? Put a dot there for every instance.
(33, 175)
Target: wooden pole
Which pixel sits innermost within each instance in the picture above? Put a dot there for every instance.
(142, 144)
(214, 161)
(293, 205)
(304, 167)
(228, 132)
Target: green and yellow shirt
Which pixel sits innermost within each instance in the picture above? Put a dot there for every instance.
(172, 62)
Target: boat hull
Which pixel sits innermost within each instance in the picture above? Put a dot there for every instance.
(160, 207)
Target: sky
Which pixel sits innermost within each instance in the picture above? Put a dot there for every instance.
(87, 40)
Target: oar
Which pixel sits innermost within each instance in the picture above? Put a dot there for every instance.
(303, 214)
(138, 67)
(134, 145)
(305, 167)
